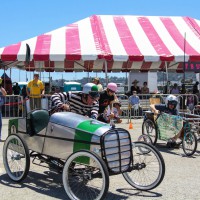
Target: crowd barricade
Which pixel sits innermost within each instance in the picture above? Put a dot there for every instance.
(187, 103)
(12, 107)
(16, 106)
(45, 103)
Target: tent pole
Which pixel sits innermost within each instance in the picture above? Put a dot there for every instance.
(106, 72)
(184, 58)
(4, 78)
(166, 69)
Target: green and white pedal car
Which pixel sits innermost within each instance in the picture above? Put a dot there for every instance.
(84, 150)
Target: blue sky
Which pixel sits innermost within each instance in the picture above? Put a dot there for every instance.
(22, 19)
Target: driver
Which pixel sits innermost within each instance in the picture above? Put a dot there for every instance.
(83, 103)
(170, 108)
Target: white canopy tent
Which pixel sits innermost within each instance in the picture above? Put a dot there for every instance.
(111, 43)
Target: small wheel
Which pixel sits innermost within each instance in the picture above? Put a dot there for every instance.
(85, 176)
(148, 168)
(189, 143)
(145, 138)
(16, 158)
(149, 128)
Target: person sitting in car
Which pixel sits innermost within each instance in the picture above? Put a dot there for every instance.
(169, 107)
(83, 103)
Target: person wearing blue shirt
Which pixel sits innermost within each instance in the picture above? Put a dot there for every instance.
(134, 103)
(170, 108)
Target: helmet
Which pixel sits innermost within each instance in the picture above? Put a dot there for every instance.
(116, 101)
(112, 86)
(91, 89)
(171, 100)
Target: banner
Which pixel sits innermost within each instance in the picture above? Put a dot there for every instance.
(169, 125)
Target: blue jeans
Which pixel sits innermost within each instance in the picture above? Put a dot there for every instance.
(0, 124)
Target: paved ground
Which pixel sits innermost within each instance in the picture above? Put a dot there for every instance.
(181, 182)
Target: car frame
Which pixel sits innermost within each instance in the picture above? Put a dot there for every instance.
(84, 150)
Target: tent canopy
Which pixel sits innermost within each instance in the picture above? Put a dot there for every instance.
(126, 43)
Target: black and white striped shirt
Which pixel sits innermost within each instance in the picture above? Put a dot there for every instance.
(74, 100)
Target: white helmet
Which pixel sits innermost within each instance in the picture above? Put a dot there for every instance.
(171, 99)
(91, 89)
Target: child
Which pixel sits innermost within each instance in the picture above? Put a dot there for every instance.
(116, 112)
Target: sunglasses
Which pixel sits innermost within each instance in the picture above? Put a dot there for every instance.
(111, 91)
(93, 98)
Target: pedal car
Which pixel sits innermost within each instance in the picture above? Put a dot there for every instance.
(84, 150)
(164, 126)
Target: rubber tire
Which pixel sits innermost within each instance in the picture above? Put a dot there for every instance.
(195, 144)
(27, 158)
(153, 139)
(103, 167)
(161, 174)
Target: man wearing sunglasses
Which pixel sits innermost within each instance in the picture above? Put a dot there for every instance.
(83, 103)
(106, 98)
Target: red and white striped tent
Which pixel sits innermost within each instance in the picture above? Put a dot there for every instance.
(111, 43)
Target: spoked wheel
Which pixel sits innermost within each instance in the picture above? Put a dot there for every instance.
(148, 167)
(85, 176)
(145, 138)
(149, 129)
(16, 158)
(189, 143)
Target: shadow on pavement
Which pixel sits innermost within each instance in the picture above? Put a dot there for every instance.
(163, 148)
(49, 183)
(135, 192)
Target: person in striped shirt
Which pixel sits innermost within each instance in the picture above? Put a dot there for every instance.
(83, 103)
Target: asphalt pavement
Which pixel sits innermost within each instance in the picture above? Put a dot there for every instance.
(181, 181)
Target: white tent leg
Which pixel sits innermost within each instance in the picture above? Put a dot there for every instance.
(106, 72)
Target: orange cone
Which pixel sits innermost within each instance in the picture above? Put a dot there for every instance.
(130, 125)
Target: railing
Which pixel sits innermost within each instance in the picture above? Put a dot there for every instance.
(186, 104)
(16, 106)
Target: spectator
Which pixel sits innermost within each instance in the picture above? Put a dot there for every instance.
(190, 101)
(182, 100)
(175, 89)
(24, 94)
(16, 89)
(35, 90)
(167, 88)
(2, 94)
(106, 98)
(145, 89)
(195, 88)
(97, 82)
(134, 87)
(134, 103)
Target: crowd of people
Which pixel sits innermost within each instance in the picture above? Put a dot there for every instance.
(98, 103)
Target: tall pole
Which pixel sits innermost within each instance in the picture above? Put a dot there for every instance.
(106, 72)
(184, 58)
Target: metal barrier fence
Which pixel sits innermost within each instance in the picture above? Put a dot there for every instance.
(186, 104)
(16, 106)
